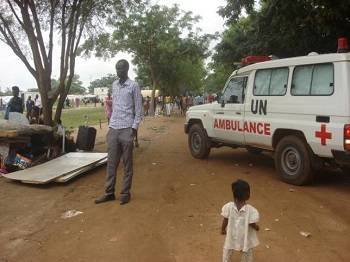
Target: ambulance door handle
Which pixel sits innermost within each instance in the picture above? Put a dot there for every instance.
(322, 119)
(220, 113)
(238, 113)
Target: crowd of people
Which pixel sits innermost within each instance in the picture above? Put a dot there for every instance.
(33, 107)
(166, 105)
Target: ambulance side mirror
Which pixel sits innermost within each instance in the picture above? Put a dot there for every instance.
(222, 102)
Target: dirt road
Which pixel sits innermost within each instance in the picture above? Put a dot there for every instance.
(174, 214)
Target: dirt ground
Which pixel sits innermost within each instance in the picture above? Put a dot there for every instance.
(174, 214)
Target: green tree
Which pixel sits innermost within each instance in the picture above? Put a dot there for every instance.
(105, 81)
(7, 92)
(281, 28)
(169, 53)
(234, 9)
(76, 87)
(30, 28)
(287, 28)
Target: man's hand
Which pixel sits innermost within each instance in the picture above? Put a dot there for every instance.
(255, 226)
(134, 132)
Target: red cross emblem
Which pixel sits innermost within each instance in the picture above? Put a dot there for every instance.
(323, 134)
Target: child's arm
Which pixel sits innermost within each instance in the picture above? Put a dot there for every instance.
(255, 226)
(224, 225)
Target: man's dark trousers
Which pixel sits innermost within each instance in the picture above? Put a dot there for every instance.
(120, 145)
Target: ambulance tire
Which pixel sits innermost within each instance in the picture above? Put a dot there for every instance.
(198, 142)
(293, 161)
(346, 170)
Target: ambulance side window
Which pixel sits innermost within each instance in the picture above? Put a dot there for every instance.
(234, 91)
(313, 80)
(271, 82)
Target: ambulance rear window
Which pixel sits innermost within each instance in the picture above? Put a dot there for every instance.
(313, 80)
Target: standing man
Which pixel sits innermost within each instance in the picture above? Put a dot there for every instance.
(15, 104)
(124, 122)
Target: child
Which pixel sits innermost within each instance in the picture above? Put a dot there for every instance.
(239, 224)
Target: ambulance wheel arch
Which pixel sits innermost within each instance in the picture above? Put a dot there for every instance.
(198, 140)
(294, 159)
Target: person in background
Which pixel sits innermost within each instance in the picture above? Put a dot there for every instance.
(29, 108)
(146, 104)
(37, 108)
(108, 106)
(239, 224)
(67, 102)
(168, 105)
(189, 102)
(15, 104)
(125, 120)
(77, 102)
(183, 104)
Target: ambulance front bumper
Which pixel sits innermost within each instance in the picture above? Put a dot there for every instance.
(341, 157)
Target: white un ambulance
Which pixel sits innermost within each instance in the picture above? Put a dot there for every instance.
(297, 107)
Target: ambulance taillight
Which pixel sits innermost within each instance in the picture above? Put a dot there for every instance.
(347, 137)
(343, 46)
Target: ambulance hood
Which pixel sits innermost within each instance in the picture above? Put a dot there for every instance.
(202, 107)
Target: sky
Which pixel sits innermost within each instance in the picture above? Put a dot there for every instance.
(13, 71)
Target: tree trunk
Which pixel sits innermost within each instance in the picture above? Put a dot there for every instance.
(46, 103)
(154, 86)
(63, 96)
(60, 104)
(152, 107)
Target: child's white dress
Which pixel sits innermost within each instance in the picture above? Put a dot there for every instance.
(239, 235)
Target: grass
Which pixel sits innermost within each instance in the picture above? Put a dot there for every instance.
(75, 117)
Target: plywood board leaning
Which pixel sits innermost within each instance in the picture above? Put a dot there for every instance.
(46, 172)
(69, 176)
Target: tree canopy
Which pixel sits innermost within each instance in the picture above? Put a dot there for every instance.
(105, 81)
(280, 28)
(167, 48)
(76, 87)
(32, 29)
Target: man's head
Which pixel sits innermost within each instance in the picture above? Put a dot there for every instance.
(241, 190)
(29, 98)
(36, 96)
(15, 91)
(122, 68)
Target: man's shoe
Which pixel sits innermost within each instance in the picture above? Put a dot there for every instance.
(123, 202)
(104, 198)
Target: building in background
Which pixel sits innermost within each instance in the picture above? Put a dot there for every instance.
(101, 92)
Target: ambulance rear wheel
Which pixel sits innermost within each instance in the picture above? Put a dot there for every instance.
(198, 142)
(293, 161)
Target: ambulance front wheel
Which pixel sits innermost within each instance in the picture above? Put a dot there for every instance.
(293, 161)
(198, 142)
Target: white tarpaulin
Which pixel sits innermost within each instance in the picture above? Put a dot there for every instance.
(58, 167)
